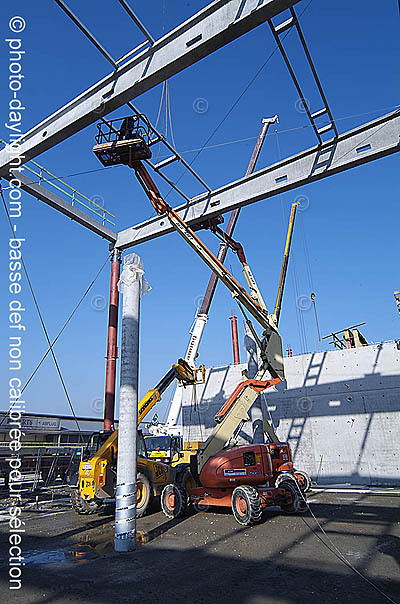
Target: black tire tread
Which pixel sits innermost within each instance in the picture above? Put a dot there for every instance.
(300, 505)
(308, 480)
(253, 499)
(82, 507)
(143, 477)
(183, 498)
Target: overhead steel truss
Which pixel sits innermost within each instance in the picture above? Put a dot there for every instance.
(157, 136)
(366, 143)
(213, 27)
(210, 29)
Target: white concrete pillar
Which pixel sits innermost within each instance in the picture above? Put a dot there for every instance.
(133, 287)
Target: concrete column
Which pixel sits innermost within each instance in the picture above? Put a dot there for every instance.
(256, 416)
(131, 286)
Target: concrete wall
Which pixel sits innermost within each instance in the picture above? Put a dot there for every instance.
(340, 412)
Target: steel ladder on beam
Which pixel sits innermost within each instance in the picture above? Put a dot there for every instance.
(323, 111)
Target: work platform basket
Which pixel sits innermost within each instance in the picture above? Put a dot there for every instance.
(123, 140)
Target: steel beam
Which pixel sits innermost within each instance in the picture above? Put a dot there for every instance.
(366, 143)
(51, 199)
(210, 29)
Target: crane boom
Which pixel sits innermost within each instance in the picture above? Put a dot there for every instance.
(196, 332)
(210, 290)
(285, 261)
(273, 344)
(180, 371)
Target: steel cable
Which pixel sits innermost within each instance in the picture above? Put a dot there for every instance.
(50, 344)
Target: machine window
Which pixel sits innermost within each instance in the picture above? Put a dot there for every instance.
(249, 458)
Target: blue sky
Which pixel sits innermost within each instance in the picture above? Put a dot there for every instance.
(345, 245)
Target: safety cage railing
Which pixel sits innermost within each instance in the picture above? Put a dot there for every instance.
(123, 140)
(123, 128)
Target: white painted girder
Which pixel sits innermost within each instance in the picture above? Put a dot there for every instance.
(208, 30)
(363, 144)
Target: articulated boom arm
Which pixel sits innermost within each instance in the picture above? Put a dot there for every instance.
(247, 272)
(273, 349)
(182, 371)
(233, 413)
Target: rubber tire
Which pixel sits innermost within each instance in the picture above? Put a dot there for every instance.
(185, 479)
(254, 510)
(181, 499)
(298, 504)
(306, 486)
(83, 507)
(142, 478)
(285, 477)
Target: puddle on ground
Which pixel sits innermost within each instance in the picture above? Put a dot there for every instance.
(53, 556)
(60, 556)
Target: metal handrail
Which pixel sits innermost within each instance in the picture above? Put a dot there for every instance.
(111, 130)
(104, 213)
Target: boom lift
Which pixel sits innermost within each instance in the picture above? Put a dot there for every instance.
(237, 248)
(97, 473)
(247, 477)
(302, 477)
(272, 344)
(196, 332)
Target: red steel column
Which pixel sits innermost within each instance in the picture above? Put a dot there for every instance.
(112, 349)
(235, 340)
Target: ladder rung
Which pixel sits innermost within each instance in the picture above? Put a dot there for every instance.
(131, 52)
(279, 29)
(166, 162)
(325, 129)
(319, 113)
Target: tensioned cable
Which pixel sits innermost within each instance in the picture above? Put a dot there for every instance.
(306, 254)
(42, 321)
(293, 272)
(225, 143)
(336, 551)
(60, 332)
(245, 89)
(286, 130)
